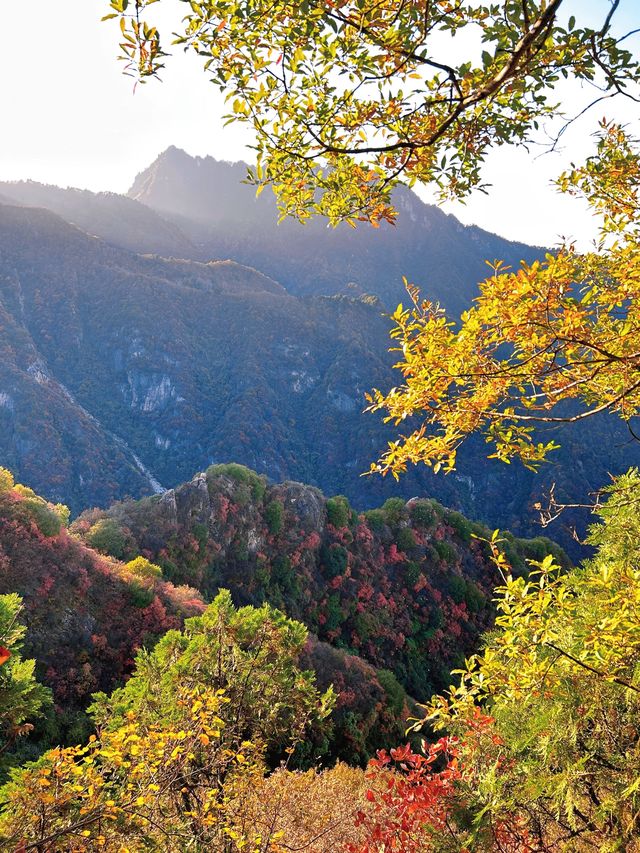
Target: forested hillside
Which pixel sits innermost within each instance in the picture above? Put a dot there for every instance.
(406, 586)
(123, 374)
(393, 599)
(88, 614)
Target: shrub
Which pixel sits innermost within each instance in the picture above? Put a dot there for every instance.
(334, 613)
(394, 691)
(283, 575)
(46, 518)
(143, 568)
(256, 486)
(335, 559)
(422, 513)
(375, 520)
(273, 516)
(394, 510)
(461, 525)
(411, 573)
(139, 595)
(201, 533)
(405, 540)
(457, 587)
(107, 537)
(445, 551)
(474, 598)
(338, 511)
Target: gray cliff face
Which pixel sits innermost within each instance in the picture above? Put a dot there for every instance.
(305, 502)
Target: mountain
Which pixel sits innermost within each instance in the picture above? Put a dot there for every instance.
(121, 374)
(88, 614)
(115, 218)
(208, 201)
(407, 587)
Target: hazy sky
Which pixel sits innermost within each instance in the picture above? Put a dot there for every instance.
(71, 118)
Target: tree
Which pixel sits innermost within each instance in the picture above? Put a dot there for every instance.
(346, 98)
(542, 727)
(144, 785)
(22, 699)
(177, 746)
(249, 653)
(538, 341)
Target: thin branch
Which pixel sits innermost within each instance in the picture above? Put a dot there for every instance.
(621, 681)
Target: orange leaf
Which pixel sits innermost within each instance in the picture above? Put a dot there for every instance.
(5, 654)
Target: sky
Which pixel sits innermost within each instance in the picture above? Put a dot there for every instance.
(71, 118)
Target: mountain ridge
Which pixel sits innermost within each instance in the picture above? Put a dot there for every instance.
(222, 216)
(120, 370)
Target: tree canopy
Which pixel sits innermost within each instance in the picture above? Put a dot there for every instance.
(347, 97)
(540, 746)
(22, 699)
(555, 341)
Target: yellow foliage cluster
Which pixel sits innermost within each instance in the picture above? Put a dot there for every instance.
(137, 788)
(538, 340)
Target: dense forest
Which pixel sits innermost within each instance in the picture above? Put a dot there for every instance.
(238, 722)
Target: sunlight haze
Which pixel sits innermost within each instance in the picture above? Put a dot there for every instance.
(72, 119)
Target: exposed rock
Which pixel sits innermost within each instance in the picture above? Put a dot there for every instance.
(306, 502)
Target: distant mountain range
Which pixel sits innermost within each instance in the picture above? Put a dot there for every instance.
(199, 208)
(129, 358)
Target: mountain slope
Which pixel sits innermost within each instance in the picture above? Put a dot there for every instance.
(121, 374)
(88, 614)
(209, 202)
(115, 218)
(407, 587)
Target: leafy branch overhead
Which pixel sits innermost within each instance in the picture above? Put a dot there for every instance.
(538, 340)
(346, 98)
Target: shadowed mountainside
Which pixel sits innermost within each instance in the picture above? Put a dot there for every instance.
(121, 374)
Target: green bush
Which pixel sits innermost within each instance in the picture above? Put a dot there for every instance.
(461, 525)
(140, 596)
(394, 510)
(334, 613)
(422, 513)
(394, 691)
(474, 598)
(457, 588)
(107, 537)
(411, 572)
(445, 551)
(406, 540)
(375, 519)
(338, 511)
(256, 486)
(335, 559)
(436, 618)
(201, 532)
(46, 518)
(239, 550)
(273, 516)
(283, 575)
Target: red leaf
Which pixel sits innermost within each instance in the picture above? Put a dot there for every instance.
(5, 654)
